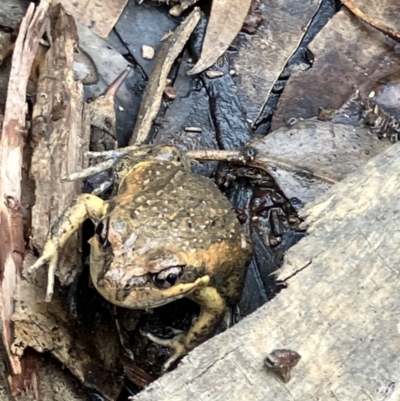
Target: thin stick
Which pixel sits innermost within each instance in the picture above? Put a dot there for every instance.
(87, 172)
(158, 81)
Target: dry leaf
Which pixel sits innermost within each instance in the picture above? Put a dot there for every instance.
(226, 20)
(99, 16)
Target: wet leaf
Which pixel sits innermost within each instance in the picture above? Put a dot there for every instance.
(309, 157)
(226, 20)
(347, 48)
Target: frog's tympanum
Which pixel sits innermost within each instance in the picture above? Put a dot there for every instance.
(165, 234)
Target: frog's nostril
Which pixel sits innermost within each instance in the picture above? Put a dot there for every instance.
(168, 277)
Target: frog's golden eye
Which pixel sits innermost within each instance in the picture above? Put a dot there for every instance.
(102, 231)
(168, 277)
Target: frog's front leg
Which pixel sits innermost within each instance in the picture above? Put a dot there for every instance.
(85, 206)
(212, 310)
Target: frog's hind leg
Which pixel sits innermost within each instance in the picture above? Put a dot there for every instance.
(212, 311)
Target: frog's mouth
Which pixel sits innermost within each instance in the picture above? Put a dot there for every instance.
(149, 296)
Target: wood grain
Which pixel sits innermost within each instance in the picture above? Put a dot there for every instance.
(11, 146)
(58, 138)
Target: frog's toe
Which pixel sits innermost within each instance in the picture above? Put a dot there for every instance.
(50, 256)
(40, 262)
(176, 344)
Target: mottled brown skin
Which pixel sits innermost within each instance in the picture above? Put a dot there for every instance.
(165, 234)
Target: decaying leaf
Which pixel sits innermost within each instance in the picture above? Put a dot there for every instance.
(347, 48)
(371, 21)
(226, 20)
(261, 58)
(309, 157)
(99, 16)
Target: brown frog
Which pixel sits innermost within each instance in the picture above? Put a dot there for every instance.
(165, 234)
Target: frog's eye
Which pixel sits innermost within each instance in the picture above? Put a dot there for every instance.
(102, 231)
(168, 277)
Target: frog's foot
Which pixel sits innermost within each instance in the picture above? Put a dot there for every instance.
(176, 344)
(50, 256)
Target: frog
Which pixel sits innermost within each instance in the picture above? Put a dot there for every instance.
(165, 233)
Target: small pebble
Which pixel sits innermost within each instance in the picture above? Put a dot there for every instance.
(214, 74)
(170, 92)
(147, 52)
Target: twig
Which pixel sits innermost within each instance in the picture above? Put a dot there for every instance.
(153, 95)
(263, 162)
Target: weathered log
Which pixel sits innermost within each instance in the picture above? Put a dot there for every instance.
(11, 146)
(60, 137)
(340, 311)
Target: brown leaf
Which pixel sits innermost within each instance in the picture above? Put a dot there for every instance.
(99, 16)
(226, 20)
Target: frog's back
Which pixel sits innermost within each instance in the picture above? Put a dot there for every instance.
(170, 208)
(169, 197)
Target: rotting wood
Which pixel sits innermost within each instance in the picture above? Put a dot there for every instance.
(340, 311)
(58, 141)
(60, 136)
(158, 81)
(12, 141)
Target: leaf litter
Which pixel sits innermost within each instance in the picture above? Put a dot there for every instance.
(305, 157)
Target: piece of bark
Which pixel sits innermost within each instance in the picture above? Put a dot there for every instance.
(12, 249)
(109, 63)
(88, 346)
(60, 135)
(103, 119)
(340, 311)
(99, 16)
(53, 383)
(58, 139)
(103, 130)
